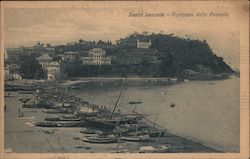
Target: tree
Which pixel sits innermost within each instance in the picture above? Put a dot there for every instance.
(80, 41)
(31, 69)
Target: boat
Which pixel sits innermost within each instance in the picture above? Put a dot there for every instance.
(86, 112)
(58, 124)
(100, 139)
(156, 133)
(46, 124)
(75, 87)
(70, 116)
(57, 111)
(108, 122)
(90, 131)
(62, 119)
(172, 105)
(69, 124)
(154, 149)
(135, 102)
(136, 138)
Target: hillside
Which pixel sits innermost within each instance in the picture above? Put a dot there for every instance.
(168, 55)
(180, 54)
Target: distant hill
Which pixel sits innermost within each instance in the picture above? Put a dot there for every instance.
(175, 57)
(180, 54)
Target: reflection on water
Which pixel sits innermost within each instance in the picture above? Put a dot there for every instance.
(204, 111)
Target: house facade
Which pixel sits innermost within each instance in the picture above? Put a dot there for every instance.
(143, 44)
(97, 56)
(44, 60)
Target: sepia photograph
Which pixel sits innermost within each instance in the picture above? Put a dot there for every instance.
(126, 78)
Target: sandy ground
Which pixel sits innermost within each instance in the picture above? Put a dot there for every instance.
(21, 135)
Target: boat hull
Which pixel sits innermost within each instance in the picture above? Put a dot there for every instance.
(101, 140)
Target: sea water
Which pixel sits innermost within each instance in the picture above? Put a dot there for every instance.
(204, 111)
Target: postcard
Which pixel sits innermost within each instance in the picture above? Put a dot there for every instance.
(124, 79)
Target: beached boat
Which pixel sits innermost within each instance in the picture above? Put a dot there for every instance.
(90, 131)
(46, 124)
(58, 124)
(154, 149)
(156, 133)
(110, 122)
(86, 112)
(62, 119)
(136, 138)
(69, 124)
(70, 116)
(135, 102)
(100, 139)
(58, 111)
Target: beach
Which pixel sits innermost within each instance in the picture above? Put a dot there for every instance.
(21, 134)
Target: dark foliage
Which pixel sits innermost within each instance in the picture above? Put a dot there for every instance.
(174, 54)
(31, 69)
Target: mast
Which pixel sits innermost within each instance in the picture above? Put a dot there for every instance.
(118, 98)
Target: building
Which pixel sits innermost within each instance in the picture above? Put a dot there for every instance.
(71, 56)
(44, 60)
(143, 44)
(97, 56)
(53, 70)
(15, 76)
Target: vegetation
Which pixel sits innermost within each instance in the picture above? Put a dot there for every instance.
(30, 68)
(175, 55)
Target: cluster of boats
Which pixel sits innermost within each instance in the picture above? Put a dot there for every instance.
(98, 124)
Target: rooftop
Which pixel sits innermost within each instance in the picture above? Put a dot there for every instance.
(45, 57)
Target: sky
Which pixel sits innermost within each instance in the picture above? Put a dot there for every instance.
(106, 21)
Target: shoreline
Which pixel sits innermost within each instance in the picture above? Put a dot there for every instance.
(191, 141)
(180, 144)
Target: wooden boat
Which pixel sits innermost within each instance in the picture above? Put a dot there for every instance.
(152, 133)
(172, 105)
(69, 124)
(57, 111)
(70, 116)
(46, 124)
(90, 131)
(58, 124)
(75, 87)
(110, 122)
(101, 139)
(62, 119)
(136, 138)
(135, 102)
(154, 149)
(156, 133)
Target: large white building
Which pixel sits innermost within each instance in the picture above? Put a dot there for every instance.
(143, 45)
(52, 68)
(97, 57)
(44, 60)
